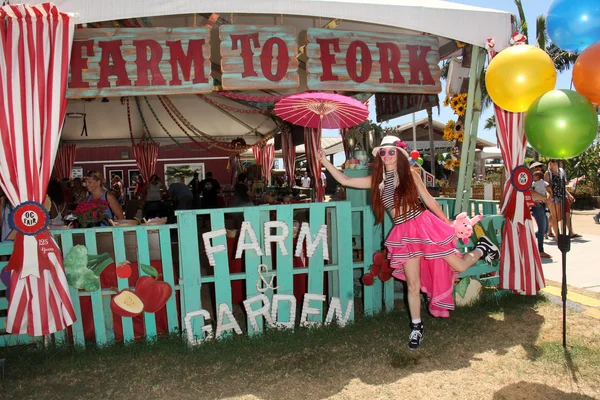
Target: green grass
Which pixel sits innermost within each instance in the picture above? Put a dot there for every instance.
(372, 349)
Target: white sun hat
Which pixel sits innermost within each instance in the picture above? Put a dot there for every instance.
(391, 141)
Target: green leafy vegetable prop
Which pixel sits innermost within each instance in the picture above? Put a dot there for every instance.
(83, 270)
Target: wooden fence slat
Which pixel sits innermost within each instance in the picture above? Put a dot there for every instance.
(66, 240)
(252, 215)
(344, 243)
(368, 232)
(285, 264)
(189, 260)
(97, 304)
(122, 283)
(333, 282)
(221, 268)
(168, 276)
(144, 258)
(315, 263)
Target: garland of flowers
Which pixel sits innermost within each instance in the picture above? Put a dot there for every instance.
(247, 97)
(229, 108)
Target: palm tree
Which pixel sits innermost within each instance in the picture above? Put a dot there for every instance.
(490, 123)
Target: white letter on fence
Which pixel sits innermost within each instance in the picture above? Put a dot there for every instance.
(279, 239)
(335, 310)
(242, 245)
(264, 310)
(207, 328)
(311, 245)
(210, 250)
(307, 310)
(225, 311)
(275, 309)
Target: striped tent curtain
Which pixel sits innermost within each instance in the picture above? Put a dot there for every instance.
(312, 143)
(35, 48)
(289, 154)
(520, 262)
(146, 155)
(65, 159)
(256, 150)
(267, 158)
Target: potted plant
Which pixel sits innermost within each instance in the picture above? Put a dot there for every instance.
(91, 213)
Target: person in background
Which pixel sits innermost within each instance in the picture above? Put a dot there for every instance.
(537, 166)
(152, 197)
(138, 191)
(242, 195)
(58, 205)
(298, 180)
(117, 188)
(209, 187)
(79, 193)
(194, 186)
(555, 176)
(94, 182)
(540, 196)
(65, 185)
(5, 210)
(305, 180)
(323, 180)
(182, 195)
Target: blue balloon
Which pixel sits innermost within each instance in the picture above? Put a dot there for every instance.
(574, 25)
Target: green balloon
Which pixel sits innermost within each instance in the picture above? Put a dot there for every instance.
(420, 161)
(561, 124)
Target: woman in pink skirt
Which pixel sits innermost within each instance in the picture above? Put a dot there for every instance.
(418, 233)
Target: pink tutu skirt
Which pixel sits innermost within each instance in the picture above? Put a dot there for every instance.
(431, 239)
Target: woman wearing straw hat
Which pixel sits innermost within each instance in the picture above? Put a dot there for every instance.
(418, 234)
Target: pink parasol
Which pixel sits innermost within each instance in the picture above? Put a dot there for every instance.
(321, 110)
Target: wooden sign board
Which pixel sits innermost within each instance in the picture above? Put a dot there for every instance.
(373, 62)
(393, 105)
(133, 61)
(258, 57)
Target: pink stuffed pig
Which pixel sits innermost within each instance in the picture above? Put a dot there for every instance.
(463, 226)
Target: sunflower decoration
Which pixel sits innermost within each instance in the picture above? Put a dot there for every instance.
(449, 164)
(447, 101)
(457, 163)
(455, 102)
(448, 134)
(463, 97)
(460, 110)
(460, 44)
(459, 131)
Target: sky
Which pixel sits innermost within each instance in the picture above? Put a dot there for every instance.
(533, 9)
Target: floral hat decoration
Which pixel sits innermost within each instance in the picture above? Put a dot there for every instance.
(393, 142)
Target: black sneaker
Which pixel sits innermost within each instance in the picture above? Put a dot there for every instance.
(416, 336)
(489, 249)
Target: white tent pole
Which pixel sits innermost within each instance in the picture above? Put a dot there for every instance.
(414, 132)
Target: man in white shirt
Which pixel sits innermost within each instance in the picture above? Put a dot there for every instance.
(323, 179)
(306, 181)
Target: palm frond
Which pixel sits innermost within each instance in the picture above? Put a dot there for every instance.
(541, 32)
(490, 123)
(562, 60)
(522, 20)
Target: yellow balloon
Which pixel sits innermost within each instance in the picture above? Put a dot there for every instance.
(519, 75)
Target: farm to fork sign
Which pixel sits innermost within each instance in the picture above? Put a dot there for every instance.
(133, 61)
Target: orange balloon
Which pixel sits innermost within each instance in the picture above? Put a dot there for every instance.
(586, 73)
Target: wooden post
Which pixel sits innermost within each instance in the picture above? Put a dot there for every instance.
(466, 168)
(431, 146)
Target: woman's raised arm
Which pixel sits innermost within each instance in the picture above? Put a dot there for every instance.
(359, 183)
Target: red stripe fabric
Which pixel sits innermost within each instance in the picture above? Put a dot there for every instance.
(257, 154)
(146, 155)
(267, 157)
(520, 264)
(65, 159)
(312, 144)
(35, 47)
(289, 154)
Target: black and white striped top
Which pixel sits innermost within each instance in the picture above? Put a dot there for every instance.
(388, 201)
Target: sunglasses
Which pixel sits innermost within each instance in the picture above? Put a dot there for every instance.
(391, 152)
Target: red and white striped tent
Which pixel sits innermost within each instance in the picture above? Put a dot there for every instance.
(267, 158)
(520, 262)
(65, 158)
(35, 47)
(312, 141)
(146, 155)
(288, 151)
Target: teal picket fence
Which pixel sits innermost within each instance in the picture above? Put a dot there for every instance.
(177, 251)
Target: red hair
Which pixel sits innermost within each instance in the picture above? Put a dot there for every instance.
(406, 195)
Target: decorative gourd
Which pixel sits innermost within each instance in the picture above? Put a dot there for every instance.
(127, 304)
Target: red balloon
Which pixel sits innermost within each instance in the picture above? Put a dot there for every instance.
(375, 269)
(385, 276)
(414, 155)
(385, 266)
(586, 73)
(378, 257)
